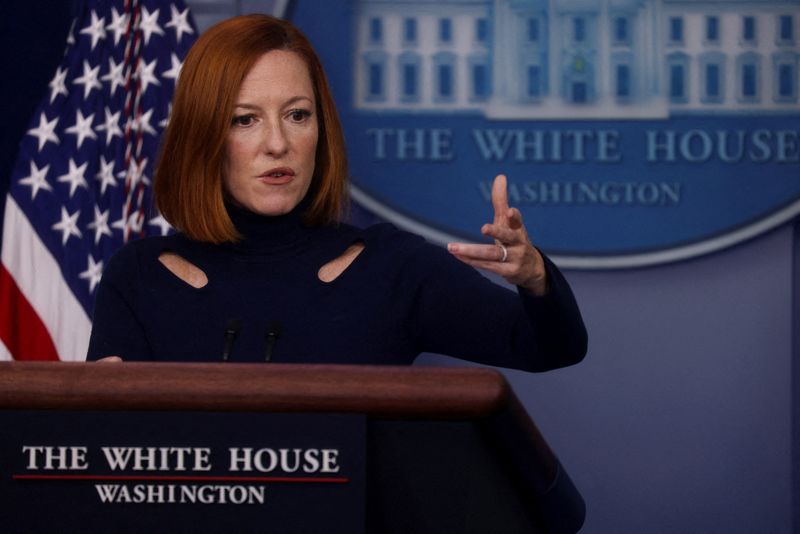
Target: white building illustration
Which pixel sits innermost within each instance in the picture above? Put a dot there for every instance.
(577, 59)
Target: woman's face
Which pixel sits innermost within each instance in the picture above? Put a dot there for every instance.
(272, 141)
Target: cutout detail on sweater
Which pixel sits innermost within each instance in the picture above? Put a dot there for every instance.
(183, 269)
(334, 268)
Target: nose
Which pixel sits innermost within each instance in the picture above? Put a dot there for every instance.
(275, 143)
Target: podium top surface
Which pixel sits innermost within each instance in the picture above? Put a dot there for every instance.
(428, 392)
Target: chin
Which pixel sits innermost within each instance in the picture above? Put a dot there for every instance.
(274, 209)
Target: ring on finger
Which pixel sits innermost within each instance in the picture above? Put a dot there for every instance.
(505, 252)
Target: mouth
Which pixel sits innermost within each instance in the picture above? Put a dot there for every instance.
(278, 176)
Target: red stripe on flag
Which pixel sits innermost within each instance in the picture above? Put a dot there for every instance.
(21, 329)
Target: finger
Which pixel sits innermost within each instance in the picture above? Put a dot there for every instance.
(467, 251)
(514, 218)
(502, 269)
(500, 198)
(109, 359)
(502, 234)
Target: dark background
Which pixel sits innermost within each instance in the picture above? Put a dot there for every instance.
(33, 36)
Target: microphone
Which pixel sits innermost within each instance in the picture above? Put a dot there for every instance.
(232, 328)
(273, 333)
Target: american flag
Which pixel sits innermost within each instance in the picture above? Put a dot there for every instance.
(81, 185)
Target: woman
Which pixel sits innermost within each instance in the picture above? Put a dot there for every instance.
(253, 176)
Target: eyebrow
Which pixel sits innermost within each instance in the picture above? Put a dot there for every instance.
(289, 102)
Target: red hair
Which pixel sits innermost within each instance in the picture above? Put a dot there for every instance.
(188, 180)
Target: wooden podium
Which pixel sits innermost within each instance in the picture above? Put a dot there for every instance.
(447, 449)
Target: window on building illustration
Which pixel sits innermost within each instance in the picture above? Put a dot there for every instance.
(444, 79)
(534, 81)
(621, 30)
(481, 30)
(375, 80)
(410, 30)
(748, 77)
(712, 81)
(786, 76)
(373, 75)
(712, 77)
(749, 81)
(410, 75)
(749, 28)
(533, 30)
(623, 74)
(580, 92)
(676, 29)
(785, 29)
(579, 29)
(375, 30)
(712, 29)
(480, 81)
(445, 30)
(677, 82)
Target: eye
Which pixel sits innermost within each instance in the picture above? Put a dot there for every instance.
(299, 115)
(243, 120)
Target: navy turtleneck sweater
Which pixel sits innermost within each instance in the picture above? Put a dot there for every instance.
(401, 296)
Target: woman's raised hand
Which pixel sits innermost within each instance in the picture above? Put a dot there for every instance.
(512, 256)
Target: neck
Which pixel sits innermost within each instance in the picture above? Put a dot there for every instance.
(264, 233)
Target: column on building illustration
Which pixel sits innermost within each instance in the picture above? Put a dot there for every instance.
(578, 28)
(479, 60)
(712, 62)
(521, 52)
(626, 38)
(748, 62)
(373, 61)
(621, 38)
(678, 60)
(785, 60)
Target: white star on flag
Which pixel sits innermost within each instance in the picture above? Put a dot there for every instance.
(89, 79)
(130, 224)
(93, 273)
(82, 128)
(163, 123)
(45, 131)
(178, 21)
(115, 75)
(150, 24)
(147, 75)
(142, 123)
(111, 125)
(118, 25)
(175, 70)
(161, 223)
(75, 177)
(96, 29)
(71, 34)
(68, 225)
(57, 84)
(100, 224)
(106, 175)
(36, 179)
(134, 174)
